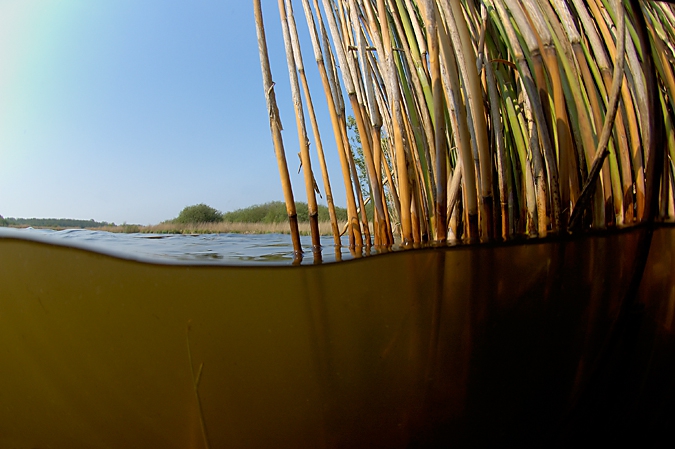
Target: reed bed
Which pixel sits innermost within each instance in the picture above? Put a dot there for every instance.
(304, 228)
(488, 119)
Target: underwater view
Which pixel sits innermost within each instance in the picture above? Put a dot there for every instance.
(548, 342)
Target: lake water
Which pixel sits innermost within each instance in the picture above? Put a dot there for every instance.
(218, 249)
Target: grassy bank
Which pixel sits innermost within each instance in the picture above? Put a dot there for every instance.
(217, 228)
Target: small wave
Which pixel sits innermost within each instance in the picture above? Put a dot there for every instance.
(235, 249)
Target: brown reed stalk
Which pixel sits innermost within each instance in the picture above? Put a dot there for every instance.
(601, 49)
(498, 137)
(301, 127)
(460, 125)
(337, 120)
(275, 128)
(392, 82)
(567, 159)
(567, 39)
(539, 135)
(613, 105)
(461, 92)
(315, 126)
(440, 141)
(466, 58)
(627, 113)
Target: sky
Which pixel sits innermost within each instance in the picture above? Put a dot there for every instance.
(127, 111)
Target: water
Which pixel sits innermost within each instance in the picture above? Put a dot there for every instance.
(481, 345)
(218, 249)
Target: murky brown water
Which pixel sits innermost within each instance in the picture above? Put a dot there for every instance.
(467, 346)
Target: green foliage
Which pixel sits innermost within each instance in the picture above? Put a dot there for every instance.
(357, 151)
(199, 213)
(275, 212)
(3, 222)
(360, 162)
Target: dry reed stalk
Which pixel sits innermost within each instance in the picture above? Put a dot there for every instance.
(537, 132)
(461, 92)
(566, 37)
(567, 162)
(603, 216)
(627, 113)
(503, 178)
(369, 116)
(303, 140)
(460, 126)
(275, 128)
(337, 120)
(601, 45)
(392, 82)
(466, 58)
(315, 126)
(613, 104)
(418, 105)
(440, 141)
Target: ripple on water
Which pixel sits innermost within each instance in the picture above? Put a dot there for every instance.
(219, 249)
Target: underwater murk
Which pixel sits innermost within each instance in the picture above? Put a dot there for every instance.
(547, 341)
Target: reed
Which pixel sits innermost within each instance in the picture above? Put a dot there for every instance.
(275, 129)
(501, 118)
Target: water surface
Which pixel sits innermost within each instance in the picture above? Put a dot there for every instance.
(219, 249)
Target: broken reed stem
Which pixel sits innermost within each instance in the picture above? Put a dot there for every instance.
(195, 385)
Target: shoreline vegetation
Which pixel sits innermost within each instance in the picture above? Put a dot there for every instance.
(268, 218)
(481, 121)
(224, 227)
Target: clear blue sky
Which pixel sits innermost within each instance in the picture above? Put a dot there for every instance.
(128, 111)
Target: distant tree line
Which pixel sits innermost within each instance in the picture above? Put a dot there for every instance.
(273, 212)
(199, 213)
(53, 222)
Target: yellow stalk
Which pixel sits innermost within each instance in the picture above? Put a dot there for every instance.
(624, 117)
(275, 128)
(466, 59)
(534, 106)
(391, 75)
(317, 137)
(498, 137)
(302, 129)
(440, 141)
(567, 36)
(355, 239)
(459, 122)
(567, 162)
(613, 106)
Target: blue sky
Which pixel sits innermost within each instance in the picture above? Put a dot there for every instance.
(128, 111)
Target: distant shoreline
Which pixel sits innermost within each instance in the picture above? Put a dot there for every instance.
(200, 228)
(218, 228)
